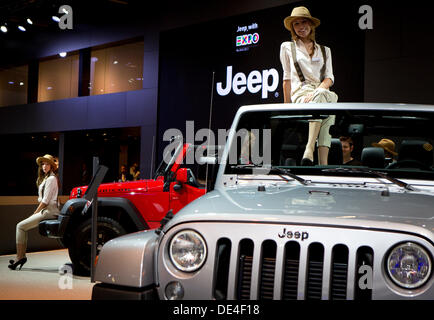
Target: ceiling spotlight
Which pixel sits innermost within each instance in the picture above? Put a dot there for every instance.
(29, 21)
(22, 28)
(4, 29)
(62, 54)
(55, 18)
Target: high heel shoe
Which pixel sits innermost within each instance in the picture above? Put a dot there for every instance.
(20, 263)
(306, 162)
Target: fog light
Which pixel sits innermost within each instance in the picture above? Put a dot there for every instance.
(174, 291)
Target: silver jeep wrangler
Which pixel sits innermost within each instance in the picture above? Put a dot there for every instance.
(275, 229)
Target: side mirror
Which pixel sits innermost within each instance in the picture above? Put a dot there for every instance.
(182, 175)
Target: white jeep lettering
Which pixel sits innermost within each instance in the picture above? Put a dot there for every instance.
(265, 81)
(253, 79)
(239, 83)
(254, 82)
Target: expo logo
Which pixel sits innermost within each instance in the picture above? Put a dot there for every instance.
(247, 39)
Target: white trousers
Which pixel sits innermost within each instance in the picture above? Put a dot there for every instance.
(50, 212)
(320, 95)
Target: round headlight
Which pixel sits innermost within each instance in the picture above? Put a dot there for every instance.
(187, 250)
(409, 265)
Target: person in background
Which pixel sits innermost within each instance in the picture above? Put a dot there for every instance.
(134, 172)
(307, 77)
(389, 149)
(124, 175)
(85, 176)
(47, 183)
(347, 148)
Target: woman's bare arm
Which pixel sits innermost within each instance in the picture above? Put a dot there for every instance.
(287, 91)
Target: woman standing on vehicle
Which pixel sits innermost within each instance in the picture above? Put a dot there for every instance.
(48, 188)
(307, 77)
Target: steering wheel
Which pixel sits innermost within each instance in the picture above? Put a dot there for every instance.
(409, 163)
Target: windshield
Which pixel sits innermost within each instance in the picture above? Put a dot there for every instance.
(398, 142)
(169, 156)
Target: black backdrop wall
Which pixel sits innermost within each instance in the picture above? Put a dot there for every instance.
(244, 48)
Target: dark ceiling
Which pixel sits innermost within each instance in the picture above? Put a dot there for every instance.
(94, 20)
(91, 19)
(15, 13)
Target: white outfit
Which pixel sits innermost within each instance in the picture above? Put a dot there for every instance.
(47, 193)
(320, 95)
(311, 69)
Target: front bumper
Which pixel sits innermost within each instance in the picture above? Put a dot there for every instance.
(54, 228)
(102, 291)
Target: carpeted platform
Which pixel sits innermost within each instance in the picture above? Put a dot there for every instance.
(43, 277)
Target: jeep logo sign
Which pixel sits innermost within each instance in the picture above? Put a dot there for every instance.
(302, 235)
(254, 82)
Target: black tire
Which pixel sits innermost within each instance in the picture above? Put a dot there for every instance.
(80, 246)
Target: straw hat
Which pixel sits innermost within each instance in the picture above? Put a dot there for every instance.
(47, 158)
(300, 12)
(387, 144)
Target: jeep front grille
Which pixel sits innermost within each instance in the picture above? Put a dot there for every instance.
(260, 260)
(313, 268)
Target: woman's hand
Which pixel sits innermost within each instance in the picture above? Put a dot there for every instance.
(41, 207)
(326, 84)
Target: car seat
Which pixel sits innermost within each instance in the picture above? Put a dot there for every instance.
(373, 157)
(414, 154)
(336, 156)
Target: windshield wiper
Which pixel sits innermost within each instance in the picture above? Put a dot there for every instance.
(374, 173)
(282, 171)
(292, 175)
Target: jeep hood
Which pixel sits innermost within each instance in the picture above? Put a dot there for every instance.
(349, 206)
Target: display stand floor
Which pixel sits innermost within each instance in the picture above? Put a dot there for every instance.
(45, 276)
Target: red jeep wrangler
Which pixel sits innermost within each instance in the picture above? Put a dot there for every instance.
(125, 207)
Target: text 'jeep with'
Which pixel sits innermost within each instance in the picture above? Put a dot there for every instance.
(273, 228)
(125, 207)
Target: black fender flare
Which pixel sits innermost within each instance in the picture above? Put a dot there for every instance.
(75, 207)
